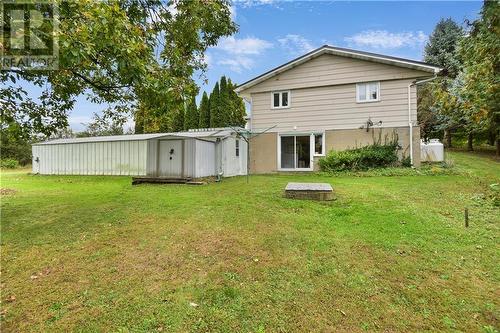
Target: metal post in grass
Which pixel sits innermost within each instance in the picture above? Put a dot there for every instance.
(466, 216)
(248, 135)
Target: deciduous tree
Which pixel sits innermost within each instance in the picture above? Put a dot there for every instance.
(137, 53)
(480, 53)
(434, 108)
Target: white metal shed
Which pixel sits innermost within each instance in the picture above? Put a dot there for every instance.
(194, 154)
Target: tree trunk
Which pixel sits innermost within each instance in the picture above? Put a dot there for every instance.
(491, 138)
(498, 146)
(447, 138)
(469, 142)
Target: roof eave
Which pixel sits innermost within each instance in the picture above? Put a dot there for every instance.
(342, 52)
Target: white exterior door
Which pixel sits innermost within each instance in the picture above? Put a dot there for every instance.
(170, 158)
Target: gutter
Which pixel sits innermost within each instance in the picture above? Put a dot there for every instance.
(410, 125)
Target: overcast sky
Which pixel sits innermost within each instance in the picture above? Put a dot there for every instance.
(274, 32)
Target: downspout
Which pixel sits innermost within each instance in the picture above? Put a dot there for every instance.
(410, 125)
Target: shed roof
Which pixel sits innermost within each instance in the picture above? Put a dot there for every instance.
(204, 133)
(327, 49)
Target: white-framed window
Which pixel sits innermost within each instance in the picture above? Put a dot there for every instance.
(237, 152)
(319, 144)
(280, 99)
(368, 92)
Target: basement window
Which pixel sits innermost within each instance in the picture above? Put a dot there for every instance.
(319, 144)
(368, 92)
(280, 99)
(237, 148)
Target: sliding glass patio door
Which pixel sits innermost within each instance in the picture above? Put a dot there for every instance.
(295, 152)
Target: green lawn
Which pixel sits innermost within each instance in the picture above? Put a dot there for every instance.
(90, 254)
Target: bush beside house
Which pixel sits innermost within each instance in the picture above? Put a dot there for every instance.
(368, 157)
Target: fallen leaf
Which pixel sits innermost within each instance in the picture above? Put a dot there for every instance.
(193, 304)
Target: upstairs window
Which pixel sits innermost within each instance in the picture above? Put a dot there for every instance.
(368, 92)
(237, 148)
(280, 99)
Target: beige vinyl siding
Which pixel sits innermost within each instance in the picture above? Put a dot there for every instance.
(329, 69)
(335, 107)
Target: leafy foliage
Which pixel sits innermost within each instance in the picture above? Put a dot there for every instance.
(140, 54)
(110, 123)
(466, 98)
(226, 108)
(178, 120)
(192, 115)
(215, 109)
(204, 111)
(480, 88)
(371, 156)
(9, 163)
(15, 146)
(436, 108)
(441, 49)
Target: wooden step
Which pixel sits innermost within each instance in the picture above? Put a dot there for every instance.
(159, 180)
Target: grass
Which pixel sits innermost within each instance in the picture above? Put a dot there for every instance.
(95, 254)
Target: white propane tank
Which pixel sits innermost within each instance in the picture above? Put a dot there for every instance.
(432, 151)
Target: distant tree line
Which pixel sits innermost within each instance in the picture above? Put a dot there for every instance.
(222, 108)
(464, 101)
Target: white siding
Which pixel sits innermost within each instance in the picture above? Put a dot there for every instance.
(189, 158)
(335, 107)
(327, 70)
(92, 158)
(233, 165)
(204, 159)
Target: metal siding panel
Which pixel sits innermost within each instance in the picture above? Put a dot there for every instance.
(116, 158)
(40, 152)
(43, 161)
(189, 158)
(98, 158)
(46, 166)
(205, 159)
(143, 155)
(151, 155)
(91, 164)
(74, 160)
(71, 159)
(122, 158)
(50, 160)
(76, 166)
(85, 165)
(134, 157)
(105, 160)
(57, 160)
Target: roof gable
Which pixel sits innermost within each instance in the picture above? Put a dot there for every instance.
(341, 52)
